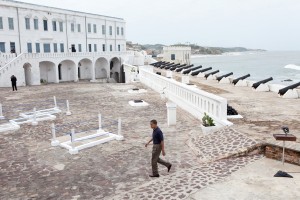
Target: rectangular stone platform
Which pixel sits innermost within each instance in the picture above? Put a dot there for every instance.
(49, 111)
(8, 127)
(85, 140)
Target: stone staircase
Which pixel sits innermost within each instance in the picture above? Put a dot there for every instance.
(12, 64)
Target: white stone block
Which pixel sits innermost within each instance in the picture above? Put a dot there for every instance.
(169, 74)
(291, 94)
(263, 88)
(212, 77)
(241, 83)
(234, 117)
(143, 104)
(225, 81)
(201, 75)
(185, 79)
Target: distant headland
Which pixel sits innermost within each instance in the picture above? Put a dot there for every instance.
(156, 49)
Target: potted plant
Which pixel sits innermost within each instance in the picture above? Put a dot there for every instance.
(208, 125)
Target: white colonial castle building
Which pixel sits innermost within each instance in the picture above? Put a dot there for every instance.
(44, 44)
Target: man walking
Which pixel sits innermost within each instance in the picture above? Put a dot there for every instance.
(14, 82)
(158, 147)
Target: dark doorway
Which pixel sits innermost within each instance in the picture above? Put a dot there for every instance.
(79, 65)
(111, 65)
(59, 71)
(73, 48)
(122, 74)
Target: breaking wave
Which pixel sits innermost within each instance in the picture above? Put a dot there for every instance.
(292, 66)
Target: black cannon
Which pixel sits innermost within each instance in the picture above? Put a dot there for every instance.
(171, 66)
(284, 90)
(175, 67)
(178, 68)
(163, 66)
(182, 68)
(224, 76)
(159, 64)
(187, 71)
(195, 73)
(255, 85)
(235, 81)
(153, 64)
(211, 73)
(158, 73)
(189, 66)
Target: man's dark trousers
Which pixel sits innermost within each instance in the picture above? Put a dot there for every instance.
(14, 86)
(155, 159)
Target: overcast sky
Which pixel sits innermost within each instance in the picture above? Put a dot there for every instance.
(266, 24)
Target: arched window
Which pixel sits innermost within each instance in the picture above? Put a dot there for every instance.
(45, 24)
(36, 23)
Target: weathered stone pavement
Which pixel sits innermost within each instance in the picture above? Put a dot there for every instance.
(221, 144)
(31, 169)
(186, 182)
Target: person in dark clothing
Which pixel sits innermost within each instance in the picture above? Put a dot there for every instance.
(158, 147)
(14, 82)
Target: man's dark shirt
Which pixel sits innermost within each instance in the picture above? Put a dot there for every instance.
(13, 79)
(157, 136)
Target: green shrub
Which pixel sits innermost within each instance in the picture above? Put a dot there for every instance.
(207, 121)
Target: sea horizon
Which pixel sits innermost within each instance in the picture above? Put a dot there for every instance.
(280, 65)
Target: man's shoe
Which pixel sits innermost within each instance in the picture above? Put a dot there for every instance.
(169, 168)
(154, 176)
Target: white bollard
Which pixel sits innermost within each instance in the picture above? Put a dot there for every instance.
(72, 135)
(34, 121)
(54, 141)
(73, 150)
(55, 103)
(100, 123)
(119, 136)
(68, 113)
(171, 113)
(1, 113)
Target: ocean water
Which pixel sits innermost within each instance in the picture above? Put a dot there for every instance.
(260, 65)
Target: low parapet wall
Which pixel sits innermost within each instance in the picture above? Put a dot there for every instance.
(193, 100)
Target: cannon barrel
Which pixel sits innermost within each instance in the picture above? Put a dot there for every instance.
(211, 73)
(189, 66)
(160, 64)
(153, 64)
(195, 73)
(191, 69)
(284, 90)
(179, 68)
(235, 81)
(255, 85)
(224, 76)
(171, 66)
(168, 66)
(163, 66)
(175, 67)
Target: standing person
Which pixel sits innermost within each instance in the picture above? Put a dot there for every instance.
(14, 82)
(158, 147)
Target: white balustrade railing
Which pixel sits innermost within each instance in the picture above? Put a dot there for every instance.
(193, 100)
(73, 54)
(12, 62)
(16, 60)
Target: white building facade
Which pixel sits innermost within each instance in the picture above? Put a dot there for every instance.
(45, 44)
(177, 54)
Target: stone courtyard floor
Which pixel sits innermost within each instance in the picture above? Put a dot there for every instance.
(31, 169)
